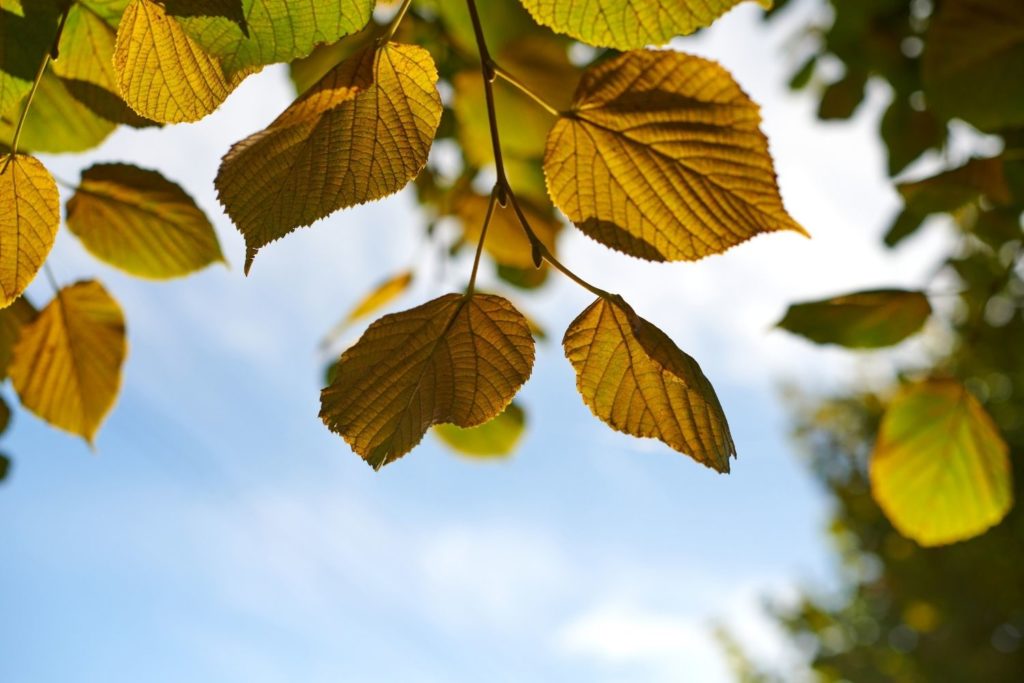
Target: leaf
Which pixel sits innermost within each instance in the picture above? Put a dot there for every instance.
(12, 319)
(29, 218)
(637, 381)
(109, 11)
(67, 364)
(59, 122)
(455, 359)
(629, 24)
(5, 467)
(140, 222)
(380, 296)
(306, 72)
(862, 320)
(496, 438)
(954, 189)
(86, 66)
(973, 65)
(840, 100)
(909, 133)
(506, 241)
(162, 73)
(360, 134)
(661, 157)
(940, 470)
(27, 30)
(502, 21)
(5, 417)
(269, 30)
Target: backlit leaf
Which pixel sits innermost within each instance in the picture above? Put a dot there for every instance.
(58, 123)
(496, 438)
(940, 470)
(141, 222)
(661, 157)
(380, 296)
(362, 133)
(863, 320)
(452, 360)
(29, 218)
(248, 33)
(27, 30)
(12, 319)
(973, 66)
(67, 364)
(628, 24)
(636, 380)
(86, 65)
(162, 73)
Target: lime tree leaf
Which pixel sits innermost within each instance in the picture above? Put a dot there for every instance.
(109, 11)
(455, 359)
(953, 189)
(637, 381)
(67, 364)
(362, 133)
(29, 218)
(306, 72)
(629, 24)
(496, 438)
(27, 30)
(162, 73)
(383, 294)
(140, 222)
(940, 470)
(86, 65)
(973, 66)
(862, 320)
(5, 417)
(12, 319)
(256, 32)
(59, 122)
(661, 157)
(506, 240)
(5, 466)
(502, 21)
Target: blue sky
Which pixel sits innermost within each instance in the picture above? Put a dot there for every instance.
(220, 533)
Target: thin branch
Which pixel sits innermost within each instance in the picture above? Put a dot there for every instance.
(389, 33)
(523, 88)
(480, 245)
(52, 54)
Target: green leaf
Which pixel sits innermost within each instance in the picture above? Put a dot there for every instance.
(628, 24)
(974, 62)
(862, 320)
(940, 470)
(637, 381)
(67, 363)
(840, 100)
(951, 190)
(59, 123)
(496, 438)
(455, 359)
(362, 133)
(661, 157)
(140, 222)
(250, 33)
(27, 30)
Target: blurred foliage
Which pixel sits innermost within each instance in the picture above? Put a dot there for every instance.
(907, 613)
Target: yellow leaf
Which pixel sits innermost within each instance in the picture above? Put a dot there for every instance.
(629, 24)
(363, 132)
(379, 297)
(139, 221)
(67, 364)
(12, 319)
(940, 470)
(506, 241)
(862, 320)
(661, 157)
(162, 73)
(29, 218)
(638, 381)
(455, 359)
(495, 438)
